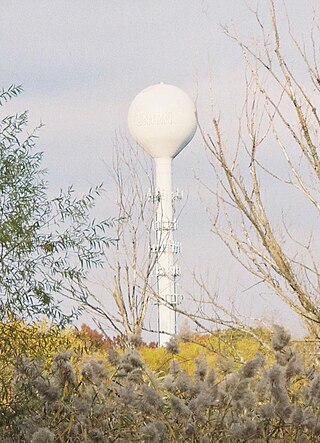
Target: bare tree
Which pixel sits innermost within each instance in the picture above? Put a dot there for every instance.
(279, 114)
(133, 262)
(128, 284)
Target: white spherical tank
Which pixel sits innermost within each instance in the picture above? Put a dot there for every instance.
(162, 120)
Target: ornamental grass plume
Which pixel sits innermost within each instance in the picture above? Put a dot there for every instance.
(179, 409)
(88, 399)
(96, 436)
(113, 356)
(130, 366)
(201, 402)
(201, 368)
(174, 367)
(172, 346)
(250, 368)
(135, 339)
(154, 432)
(294, 364)
(314, 390)
(185, 334)
(280, 339)
(63, 369)
(43, 435)
(128, 394)
(279, 393)
(151, 402)
(47, 389)
(94, 370)
(243, 430)
(226, 365)
(131, 360)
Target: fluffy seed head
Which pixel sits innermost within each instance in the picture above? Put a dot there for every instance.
(154, 432)
(201, 368)
(315, 388)
(281, 338)
(135, 339)
(43, 435)
(250, 368)
(173, 346)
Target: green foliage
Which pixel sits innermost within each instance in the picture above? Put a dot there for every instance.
(47, 247)
(7, 94)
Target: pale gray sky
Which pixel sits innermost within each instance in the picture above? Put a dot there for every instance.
(81, 62)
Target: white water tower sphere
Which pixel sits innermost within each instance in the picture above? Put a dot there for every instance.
(162, 120)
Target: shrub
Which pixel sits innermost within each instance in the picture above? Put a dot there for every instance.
(87, 399)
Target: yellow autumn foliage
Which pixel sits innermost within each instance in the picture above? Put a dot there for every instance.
(42, 340)
(222, 345)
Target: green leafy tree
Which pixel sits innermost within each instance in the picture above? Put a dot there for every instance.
(47, 247)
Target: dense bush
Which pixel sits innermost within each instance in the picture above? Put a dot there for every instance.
(119, 399)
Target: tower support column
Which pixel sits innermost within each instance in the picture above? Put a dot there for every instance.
(166, 266)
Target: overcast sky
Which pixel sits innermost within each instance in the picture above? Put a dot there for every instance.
(82, 62)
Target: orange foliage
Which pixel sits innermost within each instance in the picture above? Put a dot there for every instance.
(93, 339)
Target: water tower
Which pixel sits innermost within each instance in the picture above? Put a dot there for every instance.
(162, 120)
